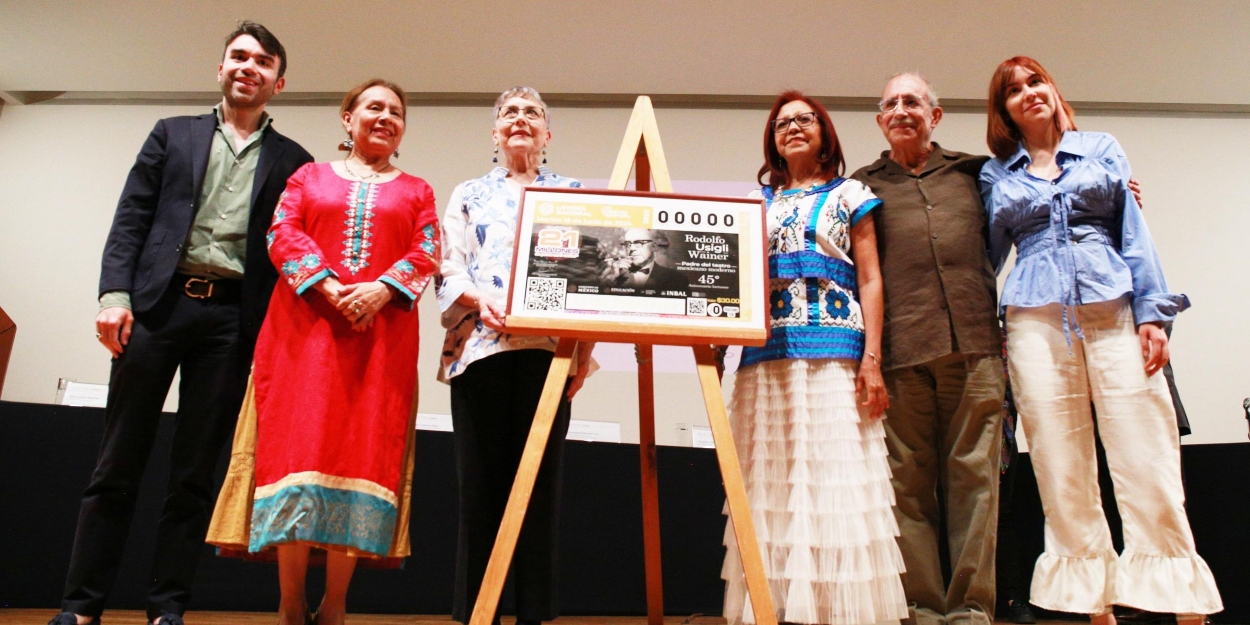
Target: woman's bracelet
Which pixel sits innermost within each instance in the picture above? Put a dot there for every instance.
(874, 357)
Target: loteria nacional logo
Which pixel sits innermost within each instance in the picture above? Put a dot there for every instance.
(557, 243)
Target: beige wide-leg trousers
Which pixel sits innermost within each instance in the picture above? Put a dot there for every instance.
(1054, 383)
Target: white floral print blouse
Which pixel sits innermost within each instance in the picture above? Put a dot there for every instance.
(479, 230)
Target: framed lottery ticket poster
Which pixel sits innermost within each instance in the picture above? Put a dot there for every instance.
(639, 267)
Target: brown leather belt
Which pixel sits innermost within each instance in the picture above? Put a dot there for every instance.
(203, 288)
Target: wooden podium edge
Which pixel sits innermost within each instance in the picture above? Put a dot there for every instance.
(8, 334)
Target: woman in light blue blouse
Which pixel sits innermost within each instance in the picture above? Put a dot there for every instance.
(496, 378)
(1085, 305)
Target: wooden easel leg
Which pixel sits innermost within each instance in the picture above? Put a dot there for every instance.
(735, 489)
(523, 487)
(650, 486)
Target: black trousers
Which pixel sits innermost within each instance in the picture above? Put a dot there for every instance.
(492, 407)
(1011, 561)
(202, 338)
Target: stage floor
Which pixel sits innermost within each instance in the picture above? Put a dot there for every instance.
(136, 617)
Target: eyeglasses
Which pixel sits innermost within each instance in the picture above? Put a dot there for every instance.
(803, 120)
(909, 104)
(531, 113)
(638, 243)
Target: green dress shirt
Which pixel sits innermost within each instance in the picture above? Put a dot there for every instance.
(216, 246)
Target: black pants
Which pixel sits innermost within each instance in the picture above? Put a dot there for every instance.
(492, 407)
(1011, 564)
(202, 338)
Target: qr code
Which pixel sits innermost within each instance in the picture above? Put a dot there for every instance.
(696, 306)
(545, 293)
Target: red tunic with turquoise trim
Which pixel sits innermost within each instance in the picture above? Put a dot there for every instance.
(333, 404)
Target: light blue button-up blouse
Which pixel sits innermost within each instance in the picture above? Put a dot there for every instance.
(1081, 238)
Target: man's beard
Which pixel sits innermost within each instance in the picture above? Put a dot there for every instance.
(260, 96)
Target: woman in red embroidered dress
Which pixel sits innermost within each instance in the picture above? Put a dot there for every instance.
(356, 242)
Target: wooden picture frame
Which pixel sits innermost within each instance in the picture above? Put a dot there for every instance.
(705, 258)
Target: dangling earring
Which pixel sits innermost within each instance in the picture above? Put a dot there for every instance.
(496, 157)
(347, 145)
(396, 153)
(544, 157)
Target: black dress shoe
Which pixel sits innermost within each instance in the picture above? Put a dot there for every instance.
(69, 618)
(168, 618)
(1019, 612)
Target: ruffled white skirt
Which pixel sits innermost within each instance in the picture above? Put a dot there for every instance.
(818, 481)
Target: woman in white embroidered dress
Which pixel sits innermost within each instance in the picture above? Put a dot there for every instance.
(807, 407)
(496, 378)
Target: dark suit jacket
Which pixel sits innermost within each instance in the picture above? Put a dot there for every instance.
(158, 204)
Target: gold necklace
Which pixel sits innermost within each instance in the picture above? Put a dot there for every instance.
(358, 177)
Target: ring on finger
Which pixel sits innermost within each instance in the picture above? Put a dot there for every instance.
(99, 335)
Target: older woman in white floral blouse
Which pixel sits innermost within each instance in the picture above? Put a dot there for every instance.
(496, 378)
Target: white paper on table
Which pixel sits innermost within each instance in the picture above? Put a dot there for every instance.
(81, 394)
(701, 436)
(594, 431)
(433, 422)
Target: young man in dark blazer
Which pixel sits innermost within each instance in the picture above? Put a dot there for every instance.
(184, 285)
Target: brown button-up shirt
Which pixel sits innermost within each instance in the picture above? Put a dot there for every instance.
(940, 289)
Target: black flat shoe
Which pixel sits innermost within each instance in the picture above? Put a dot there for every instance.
(69, 618)
(1019, 612)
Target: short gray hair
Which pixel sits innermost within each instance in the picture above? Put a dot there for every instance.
(529, 93)
(930, 93)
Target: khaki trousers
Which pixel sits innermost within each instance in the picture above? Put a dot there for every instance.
(944, 427)
(1054, 383)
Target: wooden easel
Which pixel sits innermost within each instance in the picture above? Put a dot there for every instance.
(641, 152)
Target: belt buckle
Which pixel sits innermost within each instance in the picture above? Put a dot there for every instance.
(188, 289)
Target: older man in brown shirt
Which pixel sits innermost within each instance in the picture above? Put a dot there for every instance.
(941, 357)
